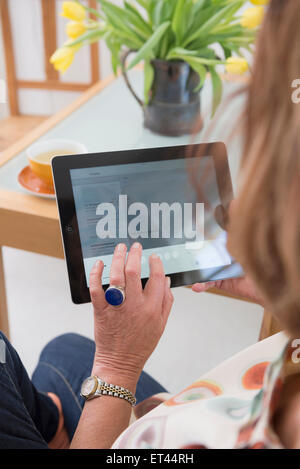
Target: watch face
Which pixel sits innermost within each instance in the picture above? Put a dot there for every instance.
(89, 386)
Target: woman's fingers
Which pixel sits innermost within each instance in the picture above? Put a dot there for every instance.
(167, 301)
(96, 290)
(201, 287)
(133, 270)
(242, 287)
(117, 273)
(155, 286)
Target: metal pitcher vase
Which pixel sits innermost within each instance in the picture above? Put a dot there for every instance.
(174, 106)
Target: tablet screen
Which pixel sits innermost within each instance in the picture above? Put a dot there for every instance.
(171, 207)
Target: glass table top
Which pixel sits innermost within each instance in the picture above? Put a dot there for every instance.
(112, 120)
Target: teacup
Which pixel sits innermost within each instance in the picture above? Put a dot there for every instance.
(40, 154)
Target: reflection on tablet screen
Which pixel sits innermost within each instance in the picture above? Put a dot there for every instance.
(155, 204)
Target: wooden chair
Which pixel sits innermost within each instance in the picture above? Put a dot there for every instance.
(15, 126)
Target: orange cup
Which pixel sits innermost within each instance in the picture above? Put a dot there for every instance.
(41, 153)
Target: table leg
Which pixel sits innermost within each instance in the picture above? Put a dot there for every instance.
(269, 326)
(4, 326)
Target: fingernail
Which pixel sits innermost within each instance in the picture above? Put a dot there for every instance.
(136, 246)
(202, 287)
(121, 247)
(169, 281)
(154, 256)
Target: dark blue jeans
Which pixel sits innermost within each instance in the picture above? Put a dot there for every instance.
(28, 417)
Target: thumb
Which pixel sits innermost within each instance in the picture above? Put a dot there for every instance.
(202, 287)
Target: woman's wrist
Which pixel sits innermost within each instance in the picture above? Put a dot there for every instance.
(117, 377)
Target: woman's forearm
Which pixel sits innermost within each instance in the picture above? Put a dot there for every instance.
(125, 337)
(104, 418)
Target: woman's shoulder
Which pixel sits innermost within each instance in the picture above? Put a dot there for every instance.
(235, 383)
(241, 372)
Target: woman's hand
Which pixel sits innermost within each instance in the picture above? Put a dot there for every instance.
(243, 287)
(126, 336)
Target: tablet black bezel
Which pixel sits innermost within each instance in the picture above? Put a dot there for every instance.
(61, 166)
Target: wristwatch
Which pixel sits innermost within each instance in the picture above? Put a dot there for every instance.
(95, 387)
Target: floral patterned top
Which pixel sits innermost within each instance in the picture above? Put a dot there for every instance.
(229, 407)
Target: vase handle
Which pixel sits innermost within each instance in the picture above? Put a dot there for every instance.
(124, 73)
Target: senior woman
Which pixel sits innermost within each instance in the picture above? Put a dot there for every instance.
(251, 400)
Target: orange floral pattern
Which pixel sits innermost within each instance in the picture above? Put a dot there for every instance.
(254, 377)
(203, 389)
(226, 408)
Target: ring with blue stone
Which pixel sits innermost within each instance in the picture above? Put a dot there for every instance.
(115, 296)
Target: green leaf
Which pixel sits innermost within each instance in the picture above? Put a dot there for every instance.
(200, 65)
(240, 40)
(145, 51)
(227, 50)
(88, 37)
(91, 10)
(200, 69)
(213, 21)
(167, 41)
(121, 19)
(200, 53)
(197, 60)
(211, 39)
(234, 29)
(195, 14)
(217, 89)
(114, 44)
(196, 8)
(128, 39)
(199, 19)
(148, 80)
(162, 11)
(143, 3)
(143, 23)
(134, 17)
(177, 23)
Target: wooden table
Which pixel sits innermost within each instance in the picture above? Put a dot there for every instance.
(104, 118)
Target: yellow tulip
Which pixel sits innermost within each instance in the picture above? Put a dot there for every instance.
(63, 58)
(252, 17)
(260, 2)
(236, 65)
(73, 11)
(75, 29)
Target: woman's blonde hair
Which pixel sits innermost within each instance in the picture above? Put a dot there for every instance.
(265, 226)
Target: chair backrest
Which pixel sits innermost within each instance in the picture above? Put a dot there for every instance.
(52, 81)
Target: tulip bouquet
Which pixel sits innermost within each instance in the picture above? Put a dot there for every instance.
(186, 30)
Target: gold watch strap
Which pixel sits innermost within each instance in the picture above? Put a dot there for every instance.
(107, 389)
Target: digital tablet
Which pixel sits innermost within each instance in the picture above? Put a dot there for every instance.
(173, 200)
